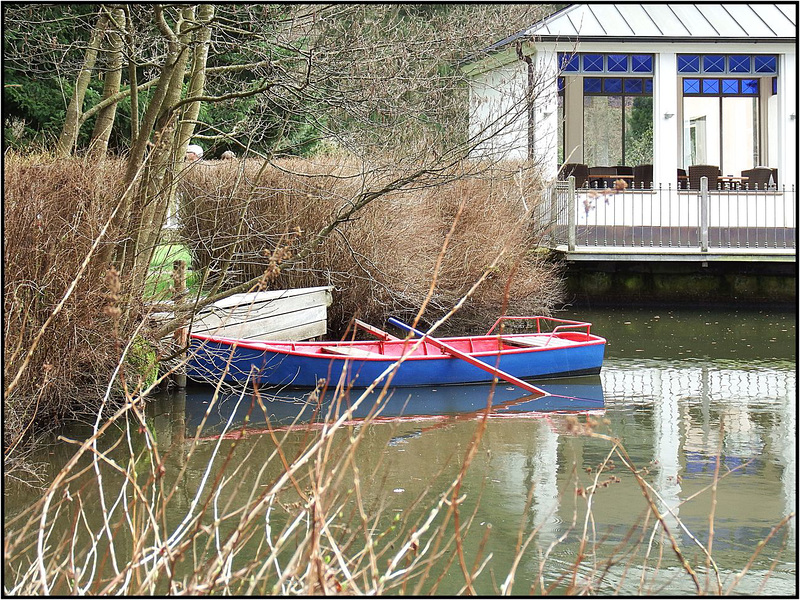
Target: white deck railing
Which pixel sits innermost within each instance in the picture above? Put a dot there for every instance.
(670, 218)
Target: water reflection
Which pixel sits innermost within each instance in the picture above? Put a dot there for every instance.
(284, 407)
(747, 416)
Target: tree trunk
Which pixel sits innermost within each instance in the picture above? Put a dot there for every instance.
(198, 77)
(132, 75)
(111, 85)
(155, 190)
(72, 120)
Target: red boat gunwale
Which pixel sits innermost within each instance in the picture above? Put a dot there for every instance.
(485, 345)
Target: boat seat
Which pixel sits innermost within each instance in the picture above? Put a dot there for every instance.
(350, 351)
(535, 340)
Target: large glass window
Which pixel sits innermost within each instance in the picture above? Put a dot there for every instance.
(617, 121)
(721, 123)
(602, 130)
(561, 121)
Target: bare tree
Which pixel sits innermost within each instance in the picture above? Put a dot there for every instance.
(377, 83)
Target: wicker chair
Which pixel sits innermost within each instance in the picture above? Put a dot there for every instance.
(578, 170)
(698, 171)
(624, 170)
(758, 178)
(643, 177)
(603, 176)
(683, 179)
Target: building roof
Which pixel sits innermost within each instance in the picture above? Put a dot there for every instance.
(666, 22)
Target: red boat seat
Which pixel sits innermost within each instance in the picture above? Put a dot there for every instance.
(537, 340)
(350, 351)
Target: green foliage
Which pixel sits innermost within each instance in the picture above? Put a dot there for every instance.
(34, 110)
(639, 132)
(142, 358)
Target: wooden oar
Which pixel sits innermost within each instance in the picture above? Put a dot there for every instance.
(470, 359)
(372, 330)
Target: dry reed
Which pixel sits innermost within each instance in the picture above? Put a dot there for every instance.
(310, 516)
(380, 261)
(53, 213)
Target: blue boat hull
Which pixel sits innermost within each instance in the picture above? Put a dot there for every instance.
(240, 364)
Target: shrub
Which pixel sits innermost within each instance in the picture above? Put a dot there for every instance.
(53, 212)
(236, 215)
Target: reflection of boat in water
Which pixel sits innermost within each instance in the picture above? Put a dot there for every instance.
(572, 395)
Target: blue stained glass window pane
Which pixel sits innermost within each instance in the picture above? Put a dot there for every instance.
(641, 63)
(774, 85)
(560, 84)
(593, 63)
(738, 64)
(648, 86)
(710, 86)
(688, 63)
(691, 86)
(633, 86)
(730, 86)
(765, 63)
(713, 63)
(570, 63)
(592, 85)
(750, 86)
(617, 63)
(612, 85)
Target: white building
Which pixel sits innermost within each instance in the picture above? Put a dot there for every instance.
(714, 83)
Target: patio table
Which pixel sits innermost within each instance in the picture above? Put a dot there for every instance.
(731, 182)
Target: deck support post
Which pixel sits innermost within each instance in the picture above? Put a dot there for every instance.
(181, 335)
(704, 202)
(571, 212)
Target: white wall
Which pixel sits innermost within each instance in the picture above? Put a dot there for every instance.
(498, 114)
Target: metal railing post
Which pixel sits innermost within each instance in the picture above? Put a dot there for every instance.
(704, 202)
(571, 213)
(554, 215)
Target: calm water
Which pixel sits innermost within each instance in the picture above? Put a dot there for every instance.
(678, 388)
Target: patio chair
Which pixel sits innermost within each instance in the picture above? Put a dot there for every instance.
(758, 178)
(602, 177)
(624, 170)
(698, 171)
(643, 176)
(683, 179)
(578, 170)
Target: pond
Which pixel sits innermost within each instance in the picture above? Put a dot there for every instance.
(702, 403)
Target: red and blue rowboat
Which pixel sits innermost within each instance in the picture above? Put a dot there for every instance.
(550, 348)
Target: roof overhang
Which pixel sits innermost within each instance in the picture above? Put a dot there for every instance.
(771, 24)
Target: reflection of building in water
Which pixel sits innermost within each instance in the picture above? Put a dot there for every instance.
(666, 445)
(784, 437)
(744, 415)
(545, 485)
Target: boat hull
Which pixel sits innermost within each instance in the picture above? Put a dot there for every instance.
(297, 365)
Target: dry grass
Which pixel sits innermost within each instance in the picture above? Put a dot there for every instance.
(53, 212)
(381, 262)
